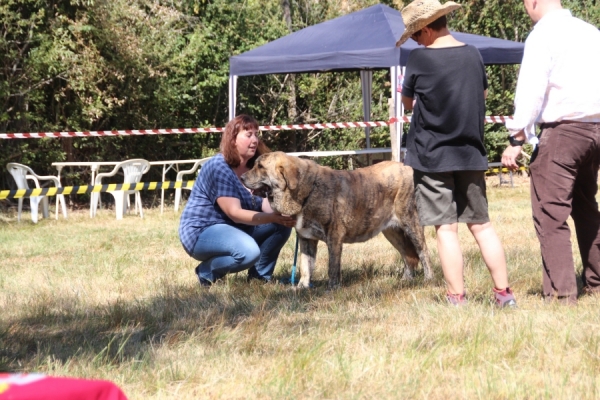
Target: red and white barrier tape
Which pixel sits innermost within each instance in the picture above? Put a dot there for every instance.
(497, 119)
(107, 133)
(490, 119)
(334, 125)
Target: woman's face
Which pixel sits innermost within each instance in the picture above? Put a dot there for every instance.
(246, 143)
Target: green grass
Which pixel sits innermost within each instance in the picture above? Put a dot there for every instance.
(118, 300)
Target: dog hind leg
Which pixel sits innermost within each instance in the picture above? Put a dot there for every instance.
(416, 235)
(308, 255)
(405, 247)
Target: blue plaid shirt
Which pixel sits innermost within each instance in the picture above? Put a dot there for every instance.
(216, 179)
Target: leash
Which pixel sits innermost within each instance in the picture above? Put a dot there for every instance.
(293, 278)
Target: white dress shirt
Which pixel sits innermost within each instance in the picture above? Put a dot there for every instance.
(560, 74)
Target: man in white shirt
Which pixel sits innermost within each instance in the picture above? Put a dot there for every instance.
(559, 89)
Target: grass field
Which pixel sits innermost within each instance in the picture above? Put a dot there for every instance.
(118, 300)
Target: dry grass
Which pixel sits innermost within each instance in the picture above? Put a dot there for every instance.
(115, 300)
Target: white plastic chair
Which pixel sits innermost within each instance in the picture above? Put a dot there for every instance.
(21, 173)
(179, 178)
(132, 172)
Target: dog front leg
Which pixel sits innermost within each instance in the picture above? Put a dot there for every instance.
(335, 263)
(308, 255)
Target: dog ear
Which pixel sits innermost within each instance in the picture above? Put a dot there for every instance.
(288, 198)
(289, 173)
(304, 171)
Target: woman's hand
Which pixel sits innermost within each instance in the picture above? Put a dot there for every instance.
(285, 220)
(280, 219)
(233, 208)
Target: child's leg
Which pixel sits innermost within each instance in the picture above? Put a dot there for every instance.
(492, 252)
(451, 257)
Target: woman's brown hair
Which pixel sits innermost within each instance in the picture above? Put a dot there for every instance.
(439, 24)
(228, 148)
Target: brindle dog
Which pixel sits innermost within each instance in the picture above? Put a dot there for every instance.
(343, 207)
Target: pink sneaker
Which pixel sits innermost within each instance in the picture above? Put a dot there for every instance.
(457, 300)
(505, 298)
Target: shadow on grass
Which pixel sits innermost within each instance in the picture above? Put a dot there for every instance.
(63, 328)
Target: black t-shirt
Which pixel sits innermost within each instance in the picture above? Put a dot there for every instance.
(446, 130)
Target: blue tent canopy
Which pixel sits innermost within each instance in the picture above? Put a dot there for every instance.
(364, 39)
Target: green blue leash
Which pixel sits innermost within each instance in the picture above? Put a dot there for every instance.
(293, 278)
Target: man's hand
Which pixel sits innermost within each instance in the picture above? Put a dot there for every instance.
(510, 155)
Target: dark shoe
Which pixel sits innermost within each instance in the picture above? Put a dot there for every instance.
(505, 298)
(252, 278)
(564, 300)
(591, 291)
(457, 300)
(205, 282)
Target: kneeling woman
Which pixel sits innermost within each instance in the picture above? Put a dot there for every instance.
(224, 225)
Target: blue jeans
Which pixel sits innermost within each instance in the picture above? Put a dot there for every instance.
(225, 249)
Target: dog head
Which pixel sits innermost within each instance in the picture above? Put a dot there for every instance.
(258, 178)
(282, 178)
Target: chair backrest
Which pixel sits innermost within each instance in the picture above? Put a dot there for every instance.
(134, 169)
(197, 164)
(19, 173)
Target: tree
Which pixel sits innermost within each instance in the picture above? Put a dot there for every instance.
(140, 64)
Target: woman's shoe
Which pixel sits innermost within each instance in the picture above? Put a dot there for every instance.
(505, 298)
(457, 300)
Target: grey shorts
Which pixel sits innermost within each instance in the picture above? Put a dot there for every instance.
(449, 197)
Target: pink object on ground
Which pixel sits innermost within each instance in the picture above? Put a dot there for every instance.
(38, 386)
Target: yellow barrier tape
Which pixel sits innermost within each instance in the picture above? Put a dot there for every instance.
(53, 191)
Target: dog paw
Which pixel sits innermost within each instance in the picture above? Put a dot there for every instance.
(408, 275)
(304, 285)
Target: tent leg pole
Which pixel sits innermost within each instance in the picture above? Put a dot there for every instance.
(232, 95)
(393, 135)
(400, 108)
(366, 82)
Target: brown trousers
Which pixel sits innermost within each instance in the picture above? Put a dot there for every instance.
(564, 181)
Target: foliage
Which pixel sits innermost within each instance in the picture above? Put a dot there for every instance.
(70, 65)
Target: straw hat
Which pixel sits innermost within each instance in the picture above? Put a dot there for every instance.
(420, 13)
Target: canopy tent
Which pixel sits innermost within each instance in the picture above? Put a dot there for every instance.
(363, 40)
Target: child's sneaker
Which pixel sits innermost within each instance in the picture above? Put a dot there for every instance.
(457, 299)
(505, 298)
